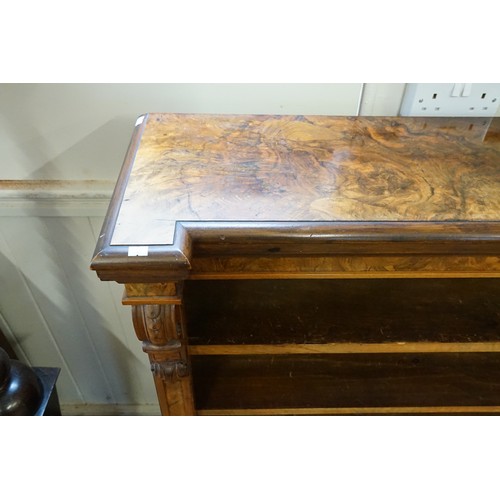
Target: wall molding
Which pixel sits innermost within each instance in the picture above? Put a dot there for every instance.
(55, 198)
(111, 410)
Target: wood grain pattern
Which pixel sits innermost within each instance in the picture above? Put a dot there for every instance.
(306, 168)
(341, 348)
(161, 328)
(345, 267)
(152, 293)
(389, 410)
(333, 249)
(221, 199)
(207, 187)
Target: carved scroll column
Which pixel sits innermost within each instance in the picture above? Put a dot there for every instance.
(159, 324)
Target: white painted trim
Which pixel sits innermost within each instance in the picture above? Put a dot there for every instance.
(111, 410)
(55, 198)
(381, 99)
(360, 101)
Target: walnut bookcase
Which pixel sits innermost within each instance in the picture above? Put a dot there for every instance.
(311, 264)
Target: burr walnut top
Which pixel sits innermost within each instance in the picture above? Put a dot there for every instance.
(261, 168)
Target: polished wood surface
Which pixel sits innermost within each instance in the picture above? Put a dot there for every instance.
(161, 328)
(198, 188)
(351, 411)
(306, 168)
(343, 348)
(347, 267)
(21, 391)
(271, 262)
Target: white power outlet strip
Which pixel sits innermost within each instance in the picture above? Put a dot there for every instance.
(450, 99)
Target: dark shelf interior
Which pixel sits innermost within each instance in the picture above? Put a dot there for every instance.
(352, 381)
(370, 311)
(361, 310)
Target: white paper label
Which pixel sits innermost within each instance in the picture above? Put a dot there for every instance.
(138, 251)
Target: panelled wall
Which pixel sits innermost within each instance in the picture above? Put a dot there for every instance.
(57, 316)
(61, 148)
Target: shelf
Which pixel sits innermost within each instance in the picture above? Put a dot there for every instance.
(347, 384)
(366, 346)
(251, 317)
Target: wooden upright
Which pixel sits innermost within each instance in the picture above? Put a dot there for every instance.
(258, 255)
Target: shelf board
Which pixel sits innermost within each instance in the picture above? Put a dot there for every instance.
(343, 348)
(390, 410)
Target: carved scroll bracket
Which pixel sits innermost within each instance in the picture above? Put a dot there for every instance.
(172, 364)
(170, 370)
(160, 328)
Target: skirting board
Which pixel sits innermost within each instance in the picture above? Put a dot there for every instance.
(109, 410)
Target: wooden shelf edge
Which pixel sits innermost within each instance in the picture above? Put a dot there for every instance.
(389, 410)
(344, 348)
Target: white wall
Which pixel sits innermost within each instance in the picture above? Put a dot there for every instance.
(52, 307)
(81, 131)
(58, 313)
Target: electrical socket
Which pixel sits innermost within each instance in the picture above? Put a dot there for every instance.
(450, 99)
